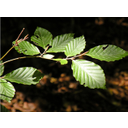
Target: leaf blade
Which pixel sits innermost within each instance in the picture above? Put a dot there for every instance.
(1, 68)
(24, 75)
(3, 108)
(107, 53)
(41, 37)
(48, 56)
(59, 42)
(75, 46)
(7, 90)
(62, 61)
(88, 73)
(26, 48)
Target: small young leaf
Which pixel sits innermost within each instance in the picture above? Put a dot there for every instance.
(48, 56)
(88, 73)
(26, 48)
(75, 46)
(3, 109)
(24, 75)
(62, 61)
(41, 37)
(1, 68)
(7, 90)
(107, 53)
(59, 42)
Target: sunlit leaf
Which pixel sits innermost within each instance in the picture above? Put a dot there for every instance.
(1, 68)
(26, 48)
(59, 42)
(62, 61)
(48, 56)
(41, 37)
(7, 90)
(75, 46)
(107, 53)
(3, 109)
(24, 75)
(88, 73)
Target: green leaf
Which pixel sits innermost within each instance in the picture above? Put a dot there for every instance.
(3, 109)
(107, 53)
(48, 56)
(62, 61)
(1, 68)
(59, 42)
(75, 46)
(24, 75)
(26, 48)
(7, 90)
(41, 37)
(88, 73)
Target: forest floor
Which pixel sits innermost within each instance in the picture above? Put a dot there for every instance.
(62, 93)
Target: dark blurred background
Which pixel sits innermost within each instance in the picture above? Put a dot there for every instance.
(97, 30)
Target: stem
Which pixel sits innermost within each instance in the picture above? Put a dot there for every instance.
(17, 42)
(44, 51)
(20, 34)
(7, 52)
(72, 58)
(18, 58)
(81, 54)
(2, 77)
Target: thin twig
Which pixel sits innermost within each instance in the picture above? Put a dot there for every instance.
(81, 54)
(45, 51)
(17, 42)
(18, 58)
(19, 35)
(72, 58)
